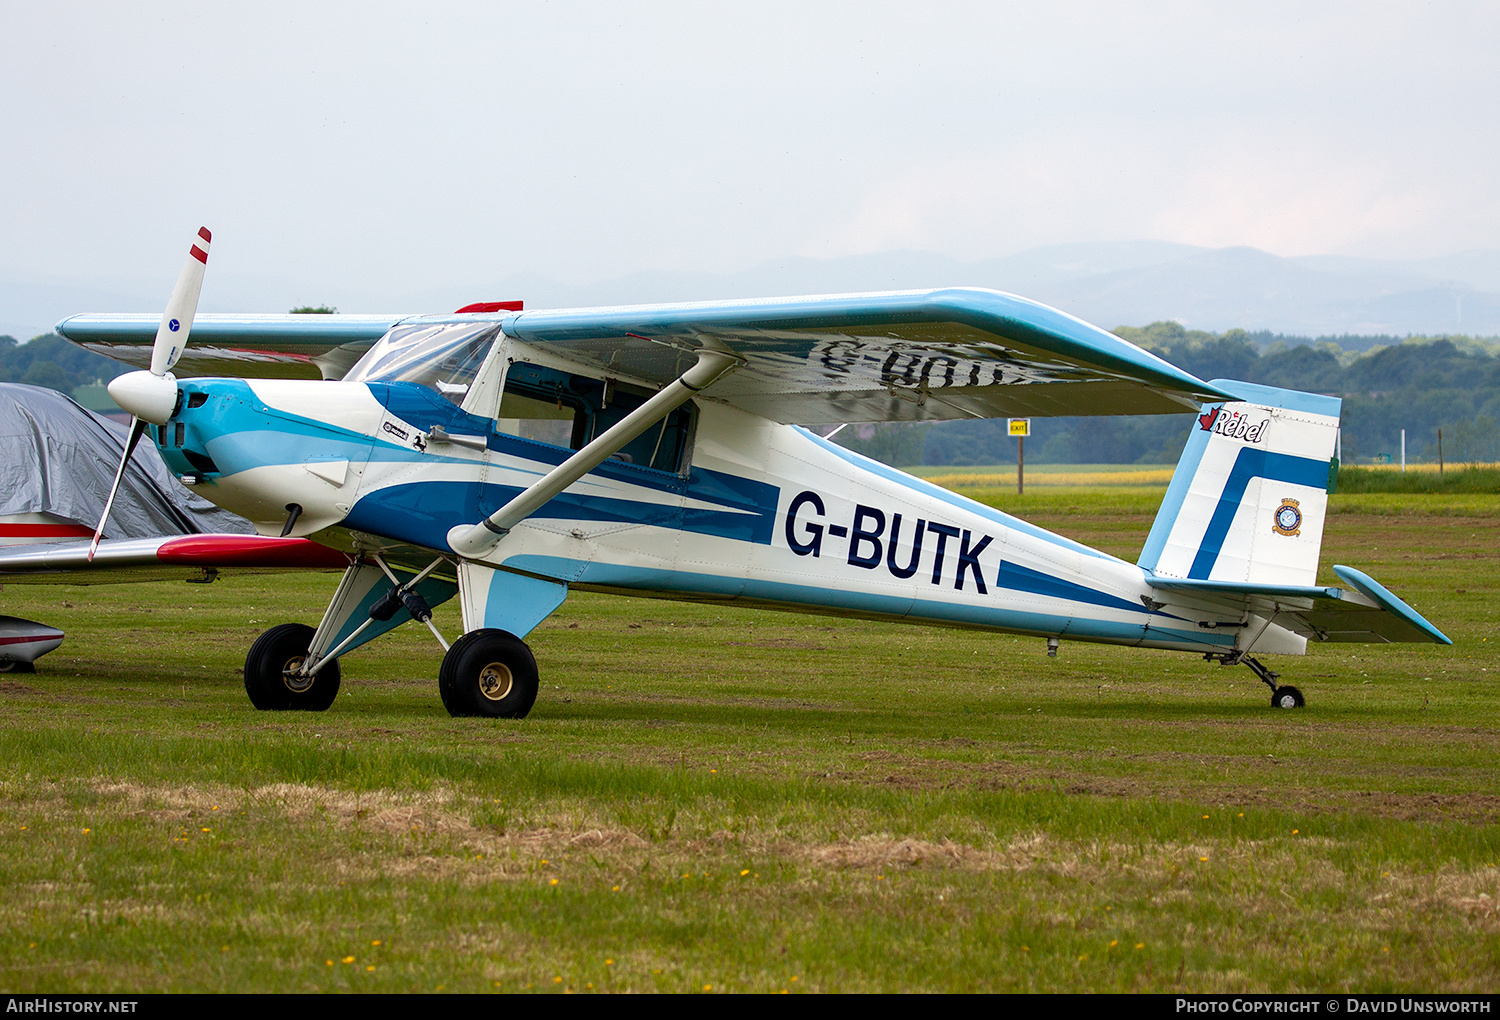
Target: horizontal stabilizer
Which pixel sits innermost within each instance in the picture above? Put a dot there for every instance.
(1401, 622)
(1370, 613)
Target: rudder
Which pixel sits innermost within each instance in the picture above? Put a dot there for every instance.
(1249, 497)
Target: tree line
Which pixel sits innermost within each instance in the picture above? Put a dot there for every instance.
(1420, 384)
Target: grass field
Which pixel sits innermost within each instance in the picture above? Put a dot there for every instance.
(1048, 476)
(1422, 478)
(712, 799)
(1427, 479)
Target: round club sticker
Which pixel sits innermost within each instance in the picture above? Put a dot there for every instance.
(1288, 518)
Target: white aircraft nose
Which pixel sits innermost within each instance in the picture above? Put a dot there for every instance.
(149, 397)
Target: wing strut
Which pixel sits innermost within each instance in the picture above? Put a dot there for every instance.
(475, 542)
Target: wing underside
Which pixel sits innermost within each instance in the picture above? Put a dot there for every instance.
(906, 356)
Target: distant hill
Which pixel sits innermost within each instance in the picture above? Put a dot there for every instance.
(1109, 284)
(1123, 283)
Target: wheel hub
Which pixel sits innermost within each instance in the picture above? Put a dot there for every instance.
(291, 674)
(495, 681)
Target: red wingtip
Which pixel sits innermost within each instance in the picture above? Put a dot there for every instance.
(203, 233)
(491, 306)
(249, 551)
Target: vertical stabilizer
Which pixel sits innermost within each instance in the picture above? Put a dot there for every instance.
(1250, 494)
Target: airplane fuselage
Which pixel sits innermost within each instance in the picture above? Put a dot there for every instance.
(763, 514)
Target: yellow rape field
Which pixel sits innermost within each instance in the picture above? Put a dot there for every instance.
(1051, 476)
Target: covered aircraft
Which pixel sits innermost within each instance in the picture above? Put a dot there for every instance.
(508, 456)
(54, 481)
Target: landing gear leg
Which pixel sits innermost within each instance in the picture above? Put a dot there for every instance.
(1281, 697)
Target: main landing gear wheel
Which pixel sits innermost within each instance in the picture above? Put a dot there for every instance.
(1287, 697)
(490, 673)
(271, 677)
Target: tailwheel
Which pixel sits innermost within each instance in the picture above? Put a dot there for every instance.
(490, 673)
(1287, 697)
(1281, 697)
(273, 676)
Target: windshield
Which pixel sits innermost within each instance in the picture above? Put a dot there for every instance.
(444, 356)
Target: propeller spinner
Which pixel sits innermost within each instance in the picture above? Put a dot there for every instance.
(151, 396)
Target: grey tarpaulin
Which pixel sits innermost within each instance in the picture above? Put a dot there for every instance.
(57, 458)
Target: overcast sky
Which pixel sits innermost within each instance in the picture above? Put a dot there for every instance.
(367, 149)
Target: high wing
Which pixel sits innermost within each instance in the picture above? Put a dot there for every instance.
(1369, 613)
(902, 356)
(251, 346)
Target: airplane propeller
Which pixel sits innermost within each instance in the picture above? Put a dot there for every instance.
(151, 396)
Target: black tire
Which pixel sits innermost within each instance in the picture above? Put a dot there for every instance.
(16, 666)
(1287, 697)
(488, 673)
(273, 655)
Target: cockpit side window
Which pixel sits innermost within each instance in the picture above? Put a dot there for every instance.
(573, 410)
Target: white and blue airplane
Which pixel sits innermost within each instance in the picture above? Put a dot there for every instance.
(507, 456)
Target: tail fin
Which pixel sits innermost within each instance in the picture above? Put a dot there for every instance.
(1249, 496)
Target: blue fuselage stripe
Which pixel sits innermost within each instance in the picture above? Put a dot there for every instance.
(689, 584)
(424, 512)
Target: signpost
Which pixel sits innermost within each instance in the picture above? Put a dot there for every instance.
(1020, 428)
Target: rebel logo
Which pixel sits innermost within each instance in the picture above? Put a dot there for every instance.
(1235, 425)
